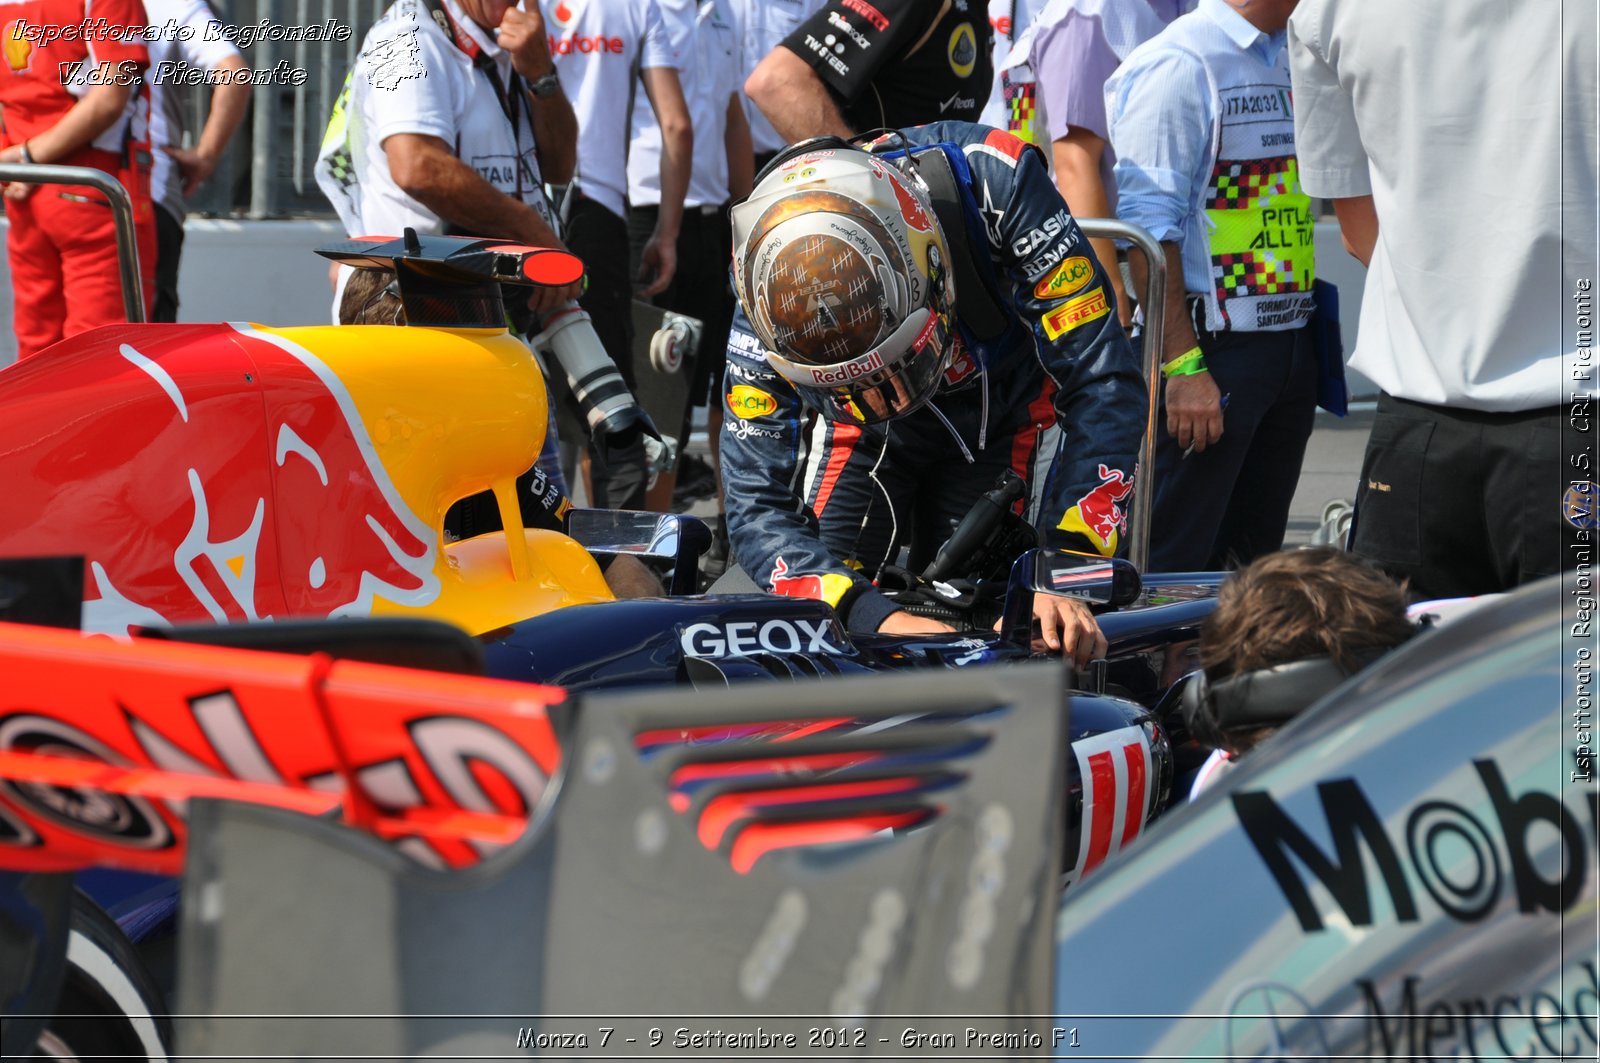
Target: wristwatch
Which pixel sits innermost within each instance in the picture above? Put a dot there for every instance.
(546, 86)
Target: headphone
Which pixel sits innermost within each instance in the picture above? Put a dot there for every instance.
(1269, 697)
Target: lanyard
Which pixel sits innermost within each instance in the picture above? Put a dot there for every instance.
(511, 103)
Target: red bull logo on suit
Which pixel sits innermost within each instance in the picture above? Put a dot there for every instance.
(1099, 515)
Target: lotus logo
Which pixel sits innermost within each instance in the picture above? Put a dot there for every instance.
(963, 50)
(1269, 1021)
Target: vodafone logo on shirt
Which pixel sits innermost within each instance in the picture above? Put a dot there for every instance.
(596, 45)
(564, 14)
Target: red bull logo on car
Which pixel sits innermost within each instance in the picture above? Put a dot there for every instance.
(215, 473)
(189, 506)
(1099, 515)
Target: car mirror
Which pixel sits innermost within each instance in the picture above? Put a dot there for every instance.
(1103, 582)
(670, 537)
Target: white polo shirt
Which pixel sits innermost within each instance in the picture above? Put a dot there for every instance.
(599, 48)
(710, 78)
(412, 78)
(763, 25)
(166, 113)
(1473, 127)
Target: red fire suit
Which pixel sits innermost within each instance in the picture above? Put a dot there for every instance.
(62, 245)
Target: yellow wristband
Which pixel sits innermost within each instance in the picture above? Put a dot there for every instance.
(1189, 363)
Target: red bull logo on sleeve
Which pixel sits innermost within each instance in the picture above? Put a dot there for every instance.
(829, 587)
(1099, 516)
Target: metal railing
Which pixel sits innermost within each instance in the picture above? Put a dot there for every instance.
(266, 170)
(121, 209)
(1153, 301)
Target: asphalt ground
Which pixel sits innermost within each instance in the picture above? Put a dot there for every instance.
(1330, 470)
(1332, 464)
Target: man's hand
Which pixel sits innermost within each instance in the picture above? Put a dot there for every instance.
(548, 300)
(657, 263)
(194, 166)
(901, 622)
(1194, 410)
(1068, 626)
(522, 35)
(15, 190)
(629, 578)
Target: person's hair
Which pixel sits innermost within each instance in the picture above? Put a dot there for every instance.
(369, 300)
(1297, 604)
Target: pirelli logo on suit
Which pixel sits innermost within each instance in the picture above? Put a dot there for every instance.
(1090, 306)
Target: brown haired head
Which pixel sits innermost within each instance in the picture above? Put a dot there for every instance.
(368, 299)
(1296, 604)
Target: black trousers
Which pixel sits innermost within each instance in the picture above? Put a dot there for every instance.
(1463, 502)
(1229, 504)
(169, 249)
(600, 238)
(700, 288)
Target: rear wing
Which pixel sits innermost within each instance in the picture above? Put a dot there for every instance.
(104, 745)
(906, 864)
(455, 280)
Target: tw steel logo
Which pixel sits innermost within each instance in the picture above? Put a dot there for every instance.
(1115, 768)
(1458, 859)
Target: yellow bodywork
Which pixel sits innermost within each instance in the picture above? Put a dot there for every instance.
(450, 413)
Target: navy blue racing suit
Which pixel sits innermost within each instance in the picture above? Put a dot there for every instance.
(816, 506)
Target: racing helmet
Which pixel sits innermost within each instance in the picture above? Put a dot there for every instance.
(844, 272)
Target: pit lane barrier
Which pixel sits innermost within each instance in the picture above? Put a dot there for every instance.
(121, 208)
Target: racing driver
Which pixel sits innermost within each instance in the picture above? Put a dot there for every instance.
(867, 409)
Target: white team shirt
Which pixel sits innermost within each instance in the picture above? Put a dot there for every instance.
(763, 25)
(166, 115)
(711, 40)
(1473, 127)
(411, 78)
(599, 46)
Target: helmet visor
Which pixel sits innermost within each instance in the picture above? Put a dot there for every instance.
(891, 380)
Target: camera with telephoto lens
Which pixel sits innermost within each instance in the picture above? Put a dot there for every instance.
(615, 418)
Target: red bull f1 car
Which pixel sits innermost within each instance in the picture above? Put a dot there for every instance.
(468, 866)
(247, 476)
